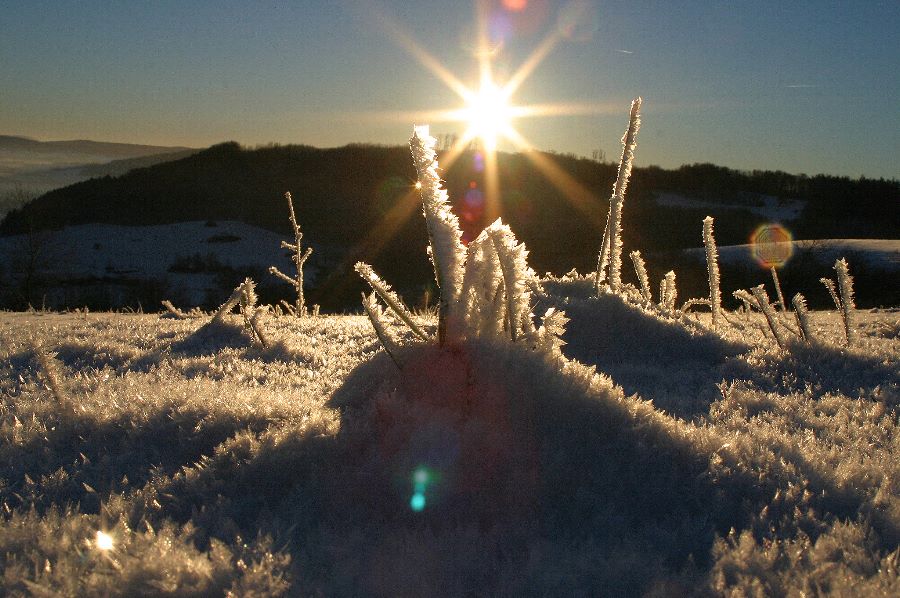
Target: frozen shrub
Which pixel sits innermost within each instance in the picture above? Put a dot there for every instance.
(299, 258)
(485, 288)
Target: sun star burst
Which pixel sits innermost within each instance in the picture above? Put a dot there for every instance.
(488, 114)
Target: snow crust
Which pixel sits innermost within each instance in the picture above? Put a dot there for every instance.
(649, 456)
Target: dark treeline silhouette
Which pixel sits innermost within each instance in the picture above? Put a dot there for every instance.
(360, 199)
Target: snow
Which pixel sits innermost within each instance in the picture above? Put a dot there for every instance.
(653, 456)
(97, 250)
(114, 253)
(768, 206)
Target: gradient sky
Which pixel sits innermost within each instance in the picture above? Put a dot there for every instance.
(797, 86)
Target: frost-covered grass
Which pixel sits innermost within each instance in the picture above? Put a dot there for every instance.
(689, 463)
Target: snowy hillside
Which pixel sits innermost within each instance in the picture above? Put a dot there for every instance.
(185, 255)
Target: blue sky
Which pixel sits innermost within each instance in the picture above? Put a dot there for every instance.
(798, 86)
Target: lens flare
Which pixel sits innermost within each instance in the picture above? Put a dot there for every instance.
(417, 502)
(422, 477)
(103, 541)
(771, 245)
(515, 5)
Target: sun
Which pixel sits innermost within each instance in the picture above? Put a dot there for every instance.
(488, 114)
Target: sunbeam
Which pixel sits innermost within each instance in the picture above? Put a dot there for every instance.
(489, 112)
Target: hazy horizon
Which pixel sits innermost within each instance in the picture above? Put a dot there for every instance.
(807, 88)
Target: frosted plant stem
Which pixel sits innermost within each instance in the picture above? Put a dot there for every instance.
(762, 299)
(389, 297)
(671, 292)
(641, 270)
(845, 285)
(615, 244)
(50, 367)
(832, 290)
(288, 307)
(229, 304)
(612, 238)
(509, 280)
(376, 316)
(802, 315)
(174, 311)
(299, 258)
(781, 303)
(603, 258)
(712, 269)
(749, 301)
(252, 322)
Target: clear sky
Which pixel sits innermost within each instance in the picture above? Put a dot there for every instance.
(797, 86)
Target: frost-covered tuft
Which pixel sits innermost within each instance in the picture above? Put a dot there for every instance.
(444, 235)
(485, 288)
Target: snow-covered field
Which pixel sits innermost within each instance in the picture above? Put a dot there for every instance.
(161, 456)
(169, 252)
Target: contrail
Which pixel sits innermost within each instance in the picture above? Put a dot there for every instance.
(625, 51)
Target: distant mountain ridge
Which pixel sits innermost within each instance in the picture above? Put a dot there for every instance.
(114, 150)
(29, 166)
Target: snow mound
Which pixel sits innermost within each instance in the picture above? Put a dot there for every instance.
(658, 359)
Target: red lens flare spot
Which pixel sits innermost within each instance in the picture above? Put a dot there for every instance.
(771, 245)
(515, 5)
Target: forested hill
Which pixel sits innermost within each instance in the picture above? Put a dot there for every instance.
(346, 193)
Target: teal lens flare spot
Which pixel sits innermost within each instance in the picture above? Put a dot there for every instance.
(417, 502)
